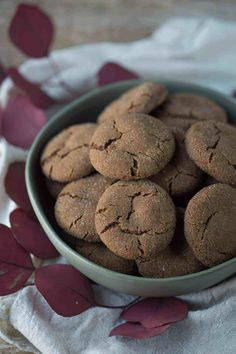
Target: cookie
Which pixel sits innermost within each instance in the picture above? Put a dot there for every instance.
(66, 156)
(210, 224)
(133, 146)
(212, 146)
(76, 204)
(101, 255)
(184, 109)
(135, 218)
(181, 175)
(54, 187)
(177, 259)
(142, 98)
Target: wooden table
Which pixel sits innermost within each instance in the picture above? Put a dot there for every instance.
(83, 21)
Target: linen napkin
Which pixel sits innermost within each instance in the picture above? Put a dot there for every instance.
(196, 50)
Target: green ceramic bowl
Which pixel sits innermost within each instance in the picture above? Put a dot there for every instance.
(86, 109)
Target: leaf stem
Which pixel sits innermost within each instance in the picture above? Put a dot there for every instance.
(119, 306)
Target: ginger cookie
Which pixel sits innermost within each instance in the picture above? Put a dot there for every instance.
(142, 98)
(176, 259)
(133, 146)
(210, 224)
(66, 156)
(76, 204)
(183, 109)
(181, 175)
(101, 255)
(135, 218)
(212, 146)
(54, 187)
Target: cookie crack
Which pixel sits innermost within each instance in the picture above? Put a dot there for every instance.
(140, 247)
(111, 225)
(109, 142)
(206, 223)
(73, 196)
(93, 250)
(225, 253)
(74, 222)
(230, 163)
(134, 167)
(132, 210)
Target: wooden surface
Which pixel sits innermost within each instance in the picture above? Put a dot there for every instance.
(82, 21)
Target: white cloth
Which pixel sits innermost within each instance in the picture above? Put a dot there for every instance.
(193, 50)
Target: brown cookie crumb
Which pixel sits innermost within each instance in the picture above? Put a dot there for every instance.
(135, 218)
(210, 224)
(133, 146)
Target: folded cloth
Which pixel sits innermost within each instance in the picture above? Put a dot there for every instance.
(196, 50)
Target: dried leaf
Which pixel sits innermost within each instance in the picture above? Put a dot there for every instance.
(15, 263)
(155, 312)
(12, 278)
(31, 236)
(15, 185)
(37, 96)
(31, 30)
(137, 331)
(21, 121)
(66, 290)
(112, 72)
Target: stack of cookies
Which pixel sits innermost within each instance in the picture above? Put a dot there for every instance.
(149, 189)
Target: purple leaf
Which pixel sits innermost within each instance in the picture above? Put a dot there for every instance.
(15, 263)
(137, 331)
(21, 121)
(37, 96)
(66, 290)
(15, 185)
(12, 278)
(155, 312)
(112, 72)
(2, 73)
(31, 30)
(31, 236)
(11, 252)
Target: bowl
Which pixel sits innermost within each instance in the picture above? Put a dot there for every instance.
(84, 109)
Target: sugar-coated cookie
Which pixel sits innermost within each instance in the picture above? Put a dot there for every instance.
(135, 218)
(133, 146)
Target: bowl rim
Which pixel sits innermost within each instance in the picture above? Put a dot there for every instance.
(51, 232)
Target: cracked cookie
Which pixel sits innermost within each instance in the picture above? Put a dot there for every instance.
(66, 156)
(135, 218)
(132, 146)
(181, 175)
(54, 187)
(101, 255)
(76, 204)
(212, 145)
(142, 98)
(183, 109)
(210, 224)
(176, 259)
